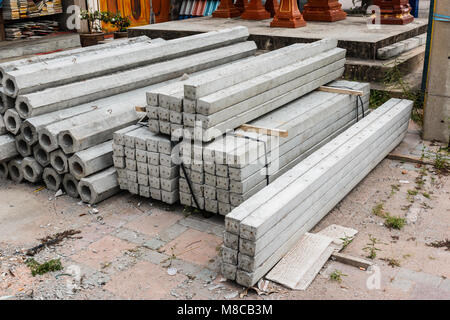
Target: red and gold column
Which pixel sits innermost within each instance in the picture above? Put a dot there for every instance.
(323, 10)
(226, 9)
(255, 11)
(288, 15)
(394, 11)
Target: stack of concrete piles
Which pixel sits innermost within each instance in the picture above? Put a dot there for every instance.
(67, 107)
(228, 97)
(229, 170)
(146, 163)
(263, 229)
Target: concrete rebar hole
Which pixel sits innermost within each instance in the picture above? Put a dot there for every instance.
(3, 170)
(27, 133)
(45, 140)
(23, 108)
(59, 163)
(71, 187)
(86, 193)
(51, 181)
(15, 172)
(77, 168)
(28, 171)
(42, 156)
(22, 146)
(67, 141)
(12, 124)
(10, 86)
(1, 76)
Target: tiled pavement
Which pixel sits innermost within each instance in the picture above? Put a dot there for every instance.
(136, 254)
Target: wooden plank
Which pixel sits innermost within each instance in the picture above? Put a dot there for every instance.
(140, 109)
(351, 260)
(408, 158)
(262, 130)
(300, 266)
(338, 233)
(341, 90)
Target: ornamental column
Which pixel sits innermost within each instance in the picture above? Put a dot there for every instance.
(255, 11)
(226, 9)
(323, 10)
(288, 15)
(394, 11)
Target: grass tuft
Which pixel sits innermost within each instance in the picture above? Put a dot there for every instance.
(40, 269)
(394, 222)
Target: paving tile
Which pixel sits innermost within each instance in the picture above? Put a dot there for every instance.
(424, 291)
(144, 281)
(207, 275)
(114, 221)
(152, 256)
(139, 238)
(102, 251)
(155, 223)
(172, 232)
(94, 232)
(184, 267)
(203, 225)
(131, 235)
(420, 277)
(445, 285)
(194, 246)
(402, 284)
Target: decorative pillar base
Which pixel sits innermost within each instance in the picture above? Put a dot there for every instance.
(255, 11)
(226, 9)
(323, 10)
(272, 7)
(288, 16)
(394, 12)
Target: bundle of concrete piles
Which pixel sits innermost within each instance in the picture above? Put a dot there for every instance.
(264, 228)
(59, 112)
(227, 97)
(229, 170)
(146, 163)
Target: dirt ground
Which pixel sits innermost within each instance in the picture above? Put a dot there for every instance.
(135, 248)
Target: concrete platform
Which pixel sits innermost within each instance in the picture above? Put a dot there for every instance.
(375, 70)
(13, 49)
(353, 33)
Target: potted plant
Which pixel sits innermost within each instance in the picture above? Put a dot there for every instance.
(94, 20)
(121, 24)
